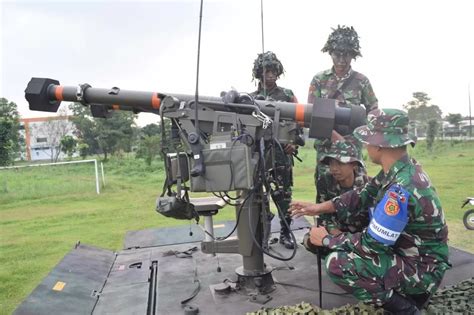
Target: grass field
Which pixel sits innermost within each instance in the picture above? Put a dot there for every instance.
(38, 228)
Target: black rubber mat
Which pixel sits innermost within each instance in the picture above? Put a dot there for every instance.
(96, 281)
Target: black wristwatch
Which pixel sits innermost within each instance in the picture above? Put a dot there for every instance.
(326, 240)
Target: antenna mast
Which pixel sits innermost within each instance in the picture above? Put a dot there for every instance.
(263, 49)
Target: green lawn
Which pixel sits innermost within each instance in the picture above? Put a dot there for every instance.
(39, 225)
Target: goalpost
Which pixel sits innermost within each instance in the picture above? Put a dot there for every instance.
(70, 162)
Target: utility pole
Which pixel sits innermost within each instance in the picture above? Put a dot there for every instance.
(470, 116)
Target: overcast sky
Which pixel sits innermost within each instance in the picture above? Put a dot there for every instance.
(407, 46)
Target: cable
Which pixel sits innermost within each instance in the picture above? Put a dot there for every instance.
(280, 212)
(252, 234)
(259, 187)
(236, 222)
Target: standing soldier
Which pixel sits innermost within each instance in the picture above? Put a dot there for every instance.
(400, 258)
(342, 83)
(267, 69)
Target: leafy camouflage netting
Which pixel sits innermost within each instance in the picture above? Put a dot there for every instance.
(268, 61)
(309, 309)
(457, 299)
(343, 39)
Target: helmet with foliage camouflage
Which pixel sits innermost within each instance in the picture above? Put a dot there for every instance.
(386, 128)
(343, 151)
(269, 61)
(343, 39)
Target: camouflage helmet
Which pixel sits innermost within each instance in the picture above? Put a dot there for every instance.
(267, 60)
(343, 39)
(342, 151)
(386, 128)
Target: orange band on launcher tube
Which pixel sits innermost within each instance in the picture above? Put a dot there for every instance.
(58, 93)
(155, 101)
(299, 113)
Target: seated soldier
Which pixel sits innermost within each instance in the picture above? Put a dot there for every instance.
(346, 172)
(399, 259)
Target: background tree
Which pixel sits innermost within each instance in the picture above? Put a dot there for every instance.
(116, 133)
(149, 145)
(68, 145)
(86, 130)
(420, 99)
(104, 135)
(83, 149)
(420, 111)
(431, 133)
(420, 108)
(151, 130)
(454, 119)
(11, 141)
(149, 148)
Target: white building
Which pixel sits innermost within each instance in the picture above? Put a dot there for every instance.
(43, 135)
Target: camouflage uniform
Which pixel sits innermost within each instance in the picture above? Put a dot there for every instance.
(281, 163)
(359, 91)
(329, 188)
(352, 89)
(278, 93)
(415, 264)
(283, 167)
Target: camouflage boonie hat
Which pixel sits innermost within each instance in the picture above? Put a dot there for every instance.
(342, 151)
(267, 60)
(343, 39)
(386, 128)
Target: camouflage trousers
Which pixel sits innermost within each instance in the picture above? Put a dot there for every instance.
(374, 280)
(282, 173)
(284, 177)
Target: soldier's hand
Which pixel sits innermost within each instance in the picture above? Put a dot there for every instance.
(336, 136)
(299, 208)
(289, 148)
(317, 234)
(335, 231)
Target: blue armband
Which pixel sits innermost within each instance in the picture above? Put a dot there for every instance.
(390, 216)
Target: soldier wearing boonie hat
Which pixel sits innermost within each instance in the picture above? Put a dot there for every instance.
(387, 128)
(346, 172)
(402, 253)
(344, 152)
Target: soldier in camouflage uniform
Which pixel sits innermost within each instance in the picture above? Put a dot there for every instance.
(346, 172)
(267, 69)
(400, 258)
(342, 83)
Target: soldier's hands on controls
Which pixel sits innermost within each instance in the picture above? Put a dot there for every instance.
(317, 234)
(299, 208)
(289, 148)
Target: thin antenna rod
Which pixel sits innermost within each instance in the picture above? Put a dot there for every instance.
(263, 50)
(196, 97)
(261, 17)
